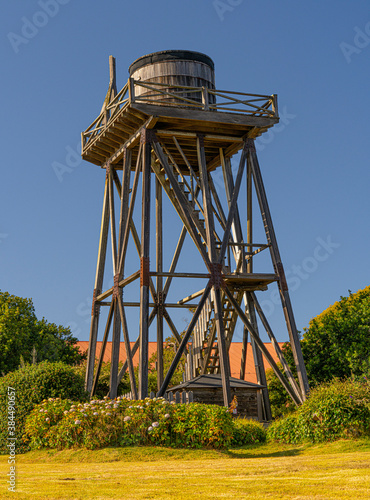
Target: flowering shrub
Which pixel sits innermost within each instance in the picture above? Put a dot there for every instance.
(335, 410)
(57, 423)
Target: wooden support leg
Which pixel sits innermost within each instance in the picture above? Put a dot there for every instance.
(98, 286)
(243, 362)
(116, 340)
(275, 255)
(144, 268)
(159, 267)
(262, 347)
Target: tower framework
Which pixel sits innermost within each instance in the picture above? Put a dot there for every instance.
(170, 127)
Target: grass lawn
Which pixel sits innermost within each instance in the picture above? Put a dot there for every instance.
(339, 470)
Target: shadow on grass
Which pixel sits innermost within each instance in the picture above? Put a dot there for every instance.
(261, 451)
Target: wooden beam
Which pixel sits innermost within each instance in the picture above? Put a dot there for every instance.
(279, 269)
(184, 342)
(159, 267)
(99, 275)
(262, 347)
(145, 278)
(102, 350)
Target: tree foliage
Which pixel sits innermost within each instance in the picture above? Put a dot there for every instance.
(336, 343)
(24, 337)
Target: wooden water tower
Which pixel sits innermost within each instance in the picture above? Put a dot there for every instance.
(170, 127)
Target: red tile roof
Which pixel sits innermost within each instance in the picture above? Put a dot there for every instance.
(234, 353)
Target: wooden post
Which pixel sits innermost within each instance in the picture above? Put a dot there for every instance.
(144, 266)
(275, 255)
(98, 286)
(159, 267)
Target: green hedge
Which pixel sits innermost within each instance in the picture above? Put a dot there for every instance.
(339, 409)
(247, 432)
(31, 385)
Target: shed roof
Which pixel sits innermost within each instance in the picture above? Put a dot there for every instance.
(213, 381)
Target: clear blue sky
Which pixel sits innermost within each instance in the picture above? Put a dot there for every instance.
(314, 55)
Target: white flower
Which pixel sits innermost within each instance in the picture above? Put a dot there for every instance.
(77, 422)
(41, 411)
(127, 419)
(150, 428)
(47, 419)
(65, 412)
(95, 413)
(130, 406)
(167, 415)
(108, 413)
(155, 424)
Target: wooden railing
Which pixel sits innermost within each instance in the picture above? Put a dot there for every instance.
(183, 397)
(180, 96)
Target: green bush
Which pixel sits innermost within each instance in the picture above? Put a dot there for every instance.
(120, 422)
(247, 431)
(31, 385)
(339, 409)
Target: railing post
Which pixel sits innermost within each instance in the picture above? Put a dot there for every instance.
(131, 90)
(275, 105)
(205, 99)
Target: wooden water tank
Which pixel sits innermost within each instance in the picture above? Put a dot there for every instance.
(174, 67)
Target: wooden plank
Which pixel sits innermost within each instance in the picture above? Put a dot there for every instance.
(204, 116)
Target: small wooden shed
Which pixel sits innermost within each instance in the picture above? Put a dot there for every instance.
(208, 389)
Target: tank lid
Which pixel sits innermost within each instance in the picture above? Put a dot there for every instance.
(170, 55)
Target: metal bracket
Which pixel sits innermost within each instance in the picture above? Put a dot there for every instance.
(281, 273)
(216, 278)
(116, 288)
(144, 271)
(95, 310)
(147, 136)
